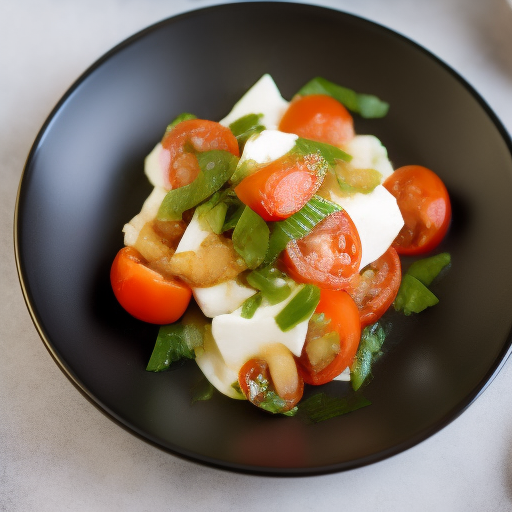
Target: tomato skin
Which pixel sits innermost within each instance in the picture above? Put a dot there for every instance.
(144, 293)
(187, 137)
(248, 379)
(374, 295)
(318, 117)
(342, 311)
(329, 256)
(425, 206)
(281, 188)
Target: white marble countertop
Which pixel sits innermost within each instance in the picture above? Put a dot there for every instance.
(59, 453)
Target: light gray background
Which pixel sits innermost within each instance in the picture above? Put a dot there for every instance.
(59, 453)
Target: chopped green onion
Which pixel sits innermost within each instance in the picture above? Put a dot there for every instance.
(202, 391)
(182, 117)
(413, 296)
(372, 339)
(250, 238)
(321, 407)
(298, 225)
(367, 105)
(329, 153)
(427, 269)
(273, 284)
(174, 342)
(300, 308)
(216, 168)
(246, 126)
(250, 305)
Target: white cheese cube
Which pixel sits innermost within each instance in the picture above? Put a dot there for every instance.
(377, 218)
(240, 339)
(262, 98)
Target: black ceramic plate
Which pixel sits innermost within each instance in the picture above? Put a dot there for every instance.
(84, 179)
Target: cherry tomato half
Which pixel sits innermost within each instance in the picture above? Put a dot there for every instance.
(425, 206)
(282, 187)
(329, 256)
(256, 384)
(377, 286)
(318, 117)
(188, 137)
(144, 293)
(330, 360)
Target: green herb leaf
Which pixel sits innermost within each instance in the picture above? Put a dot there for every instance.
(367, 105)
(321, 407)
(174, 342)
(246, 126)
(233, 216)
(216, 168)
(202, 391)
(300, 308)
(427, 269)
(250, 305)
(298, 225)
(372, 339)
(331, 154)
(182, 117)
(273, 284)
(250, 238)
(413, 296)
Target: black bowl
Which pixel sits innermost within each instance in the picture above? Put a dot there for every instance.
(83, 180)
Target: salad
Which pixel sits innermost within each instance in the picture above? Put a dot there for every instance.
(269, 248)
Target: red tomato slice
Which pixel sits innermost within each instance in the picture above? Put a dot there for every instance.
(377, 287)
(318, 117)
(256, 384)
(329, 256)
(425, 206)
(341, 310)
(144, 293)
(188, 137)
(281, 188)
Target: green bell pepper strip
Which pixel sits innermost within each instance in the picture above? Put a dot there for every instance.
(216, 168)
(366, 105)
(250, 238)
(300, 308)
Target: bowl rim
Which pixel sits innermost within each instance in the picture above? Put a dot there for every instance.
(182, 453)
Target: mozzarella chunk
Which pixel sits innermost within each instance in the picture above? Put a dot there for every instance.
(262, 98)
(222, 298)
(240, 339)
(267, 146)
(377, 218)
(148, 212)
(193, 237)
(215, 369)
(155, 165)
(368, 153)
(219, 299)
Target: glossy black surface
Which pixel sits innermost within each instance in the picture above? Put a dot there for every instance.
(84, 179)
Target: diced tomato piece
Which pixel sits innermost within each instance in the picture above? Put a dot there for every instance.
(425, 206)
(318, 117)
(190, 137)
